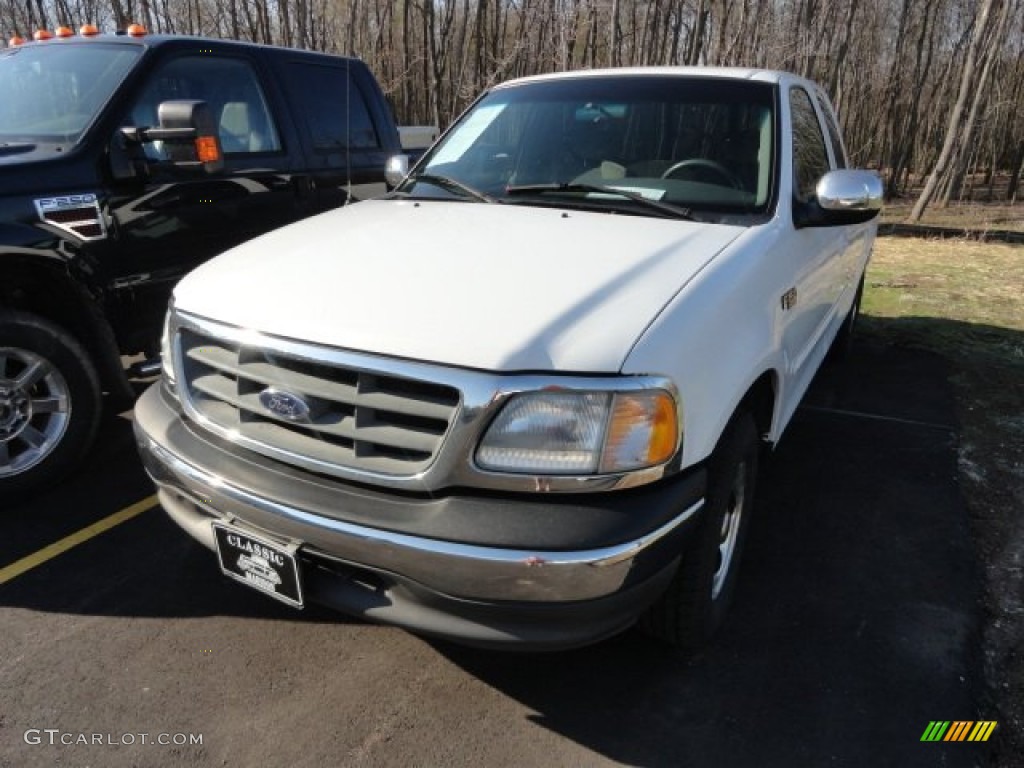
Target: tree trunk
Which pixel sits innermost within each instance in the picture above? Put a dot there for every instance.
(953, 128)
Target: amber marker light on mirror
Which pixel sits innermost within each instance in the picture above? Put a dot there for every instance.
(207, 150)
(643, 431)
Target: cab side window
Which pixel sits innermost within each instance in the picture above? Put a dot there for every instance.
(810, 159)
(833, 131)
(229, 86)
(336, 113)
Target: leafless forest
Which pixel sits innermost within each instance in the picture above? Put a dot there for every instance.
(931, 92)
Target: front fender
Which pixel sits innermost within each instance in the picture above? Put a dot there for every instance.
(718, 337)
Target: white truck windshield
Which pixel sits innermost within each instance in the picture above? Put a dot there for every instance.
(697, 143)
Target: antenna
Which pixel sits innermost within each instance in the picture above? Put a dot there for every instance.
(348, 129)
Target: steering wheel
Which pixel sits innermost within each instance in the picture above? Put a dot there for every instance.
(703, 162)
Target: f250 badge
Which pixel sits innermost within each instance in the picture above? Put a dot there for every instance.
(78, 215)
(284, 404)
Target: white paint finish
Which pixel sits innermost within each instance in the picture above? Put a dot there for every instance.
(515, 288)
(719, 334)
(728, 73)
(495, 287)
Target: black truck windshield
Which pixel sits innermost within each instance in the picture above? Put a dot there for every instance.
(52, 93)
(697, 143)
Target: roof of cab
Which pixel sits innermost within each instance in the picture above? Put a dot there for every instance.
(159, 40)
(730, 73)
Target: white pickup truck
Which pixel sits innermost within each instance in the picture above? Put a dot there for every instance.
(521, 401)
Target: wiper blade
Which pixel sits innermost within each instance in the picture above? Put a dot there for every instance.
(446, 182)
(668, 209)
(15, 148)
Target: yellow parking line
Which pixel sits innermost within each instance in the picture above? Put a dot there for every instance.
(29, 562)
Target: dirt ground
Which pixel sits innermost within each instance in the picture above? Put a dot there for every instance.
(965, 300)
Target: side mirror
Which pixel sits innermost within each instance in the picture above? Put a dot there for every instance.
(841, 197)
(396, 170)
(188, 133)
(852, 191)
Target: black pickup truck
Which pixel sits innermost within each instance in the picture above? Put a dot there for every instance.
(125, 161)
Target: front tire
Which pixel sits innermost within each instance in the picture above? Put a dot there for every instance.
(695, 604)
(49, 403)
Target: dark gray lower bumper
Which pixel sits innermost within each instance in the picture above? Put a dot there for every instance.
(485, 594)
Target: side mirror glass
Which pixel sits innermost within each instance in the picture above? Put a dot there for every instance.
(396, 170)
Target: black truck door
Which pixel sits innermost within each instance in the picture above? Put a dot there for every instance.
(167, 221)
(344, 132)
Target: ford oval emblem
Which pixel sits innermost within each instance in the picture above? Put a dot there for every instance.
(284, 405)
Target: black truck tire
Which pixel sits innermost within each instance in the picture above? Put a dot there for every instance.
(50, 403)
(695, 604)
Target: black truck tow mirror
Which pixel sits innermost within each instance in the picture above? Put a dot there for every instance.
(188, 134)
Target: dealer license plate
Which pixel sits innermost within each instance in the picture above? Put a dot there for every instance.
(264, 565)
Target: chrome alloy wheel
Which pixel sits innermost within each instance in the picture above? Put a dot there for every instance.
(729, 532)
(35, 408)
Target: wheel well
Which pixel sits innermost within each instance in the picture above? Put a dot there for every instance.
(760, 401)
(48, 291)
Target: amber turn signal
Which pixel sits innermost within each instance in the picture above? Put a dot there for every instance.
(207, 150)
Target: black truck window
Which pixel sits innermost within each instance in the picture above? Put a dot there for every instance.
(229, 86)
(339, 121)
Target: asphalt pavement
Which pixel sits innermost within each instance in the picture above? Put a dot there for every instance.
(856, 625)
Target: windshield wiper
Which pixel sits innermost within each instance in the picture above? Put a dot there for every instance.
(15, 148)
(667, 209)
(446, 182)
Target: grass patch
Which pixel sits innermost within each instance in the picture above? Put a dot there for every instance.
(967, 215)
(956, 298)
(965, 301)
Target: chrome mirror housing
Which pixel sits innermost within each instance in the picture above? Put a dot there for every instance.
(851, 191)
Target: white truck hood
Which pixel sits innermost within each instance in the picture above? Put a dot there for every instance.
(494, 287)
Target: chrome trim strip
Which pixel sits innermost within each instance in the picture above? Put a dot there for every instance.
(459, 570)
(483, 394)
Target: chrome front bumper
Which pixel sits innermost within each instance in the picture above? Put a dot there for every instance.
(201, 479)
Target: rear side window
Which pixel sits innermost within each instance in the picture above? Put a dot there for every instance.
(229, 86)
(810, 160)
(335, 110)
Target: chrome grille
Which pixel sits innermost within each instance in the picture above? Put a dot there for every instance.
(356, 419)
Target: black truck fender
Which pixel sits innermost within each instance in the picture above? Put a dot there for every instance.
(42, 282)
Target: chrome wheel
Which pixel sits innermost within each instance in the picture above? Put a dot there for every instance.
(35, 409)
(729, 532)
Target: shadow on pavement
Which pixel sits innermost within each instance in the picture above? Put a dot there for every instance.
(856, 621)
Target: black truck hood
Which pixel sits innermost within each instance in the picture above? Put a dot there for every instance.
(44, 170)
(21, 152)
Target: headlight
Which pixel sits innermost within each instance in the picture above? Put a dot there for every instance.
(166, 360)
(581, 433)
